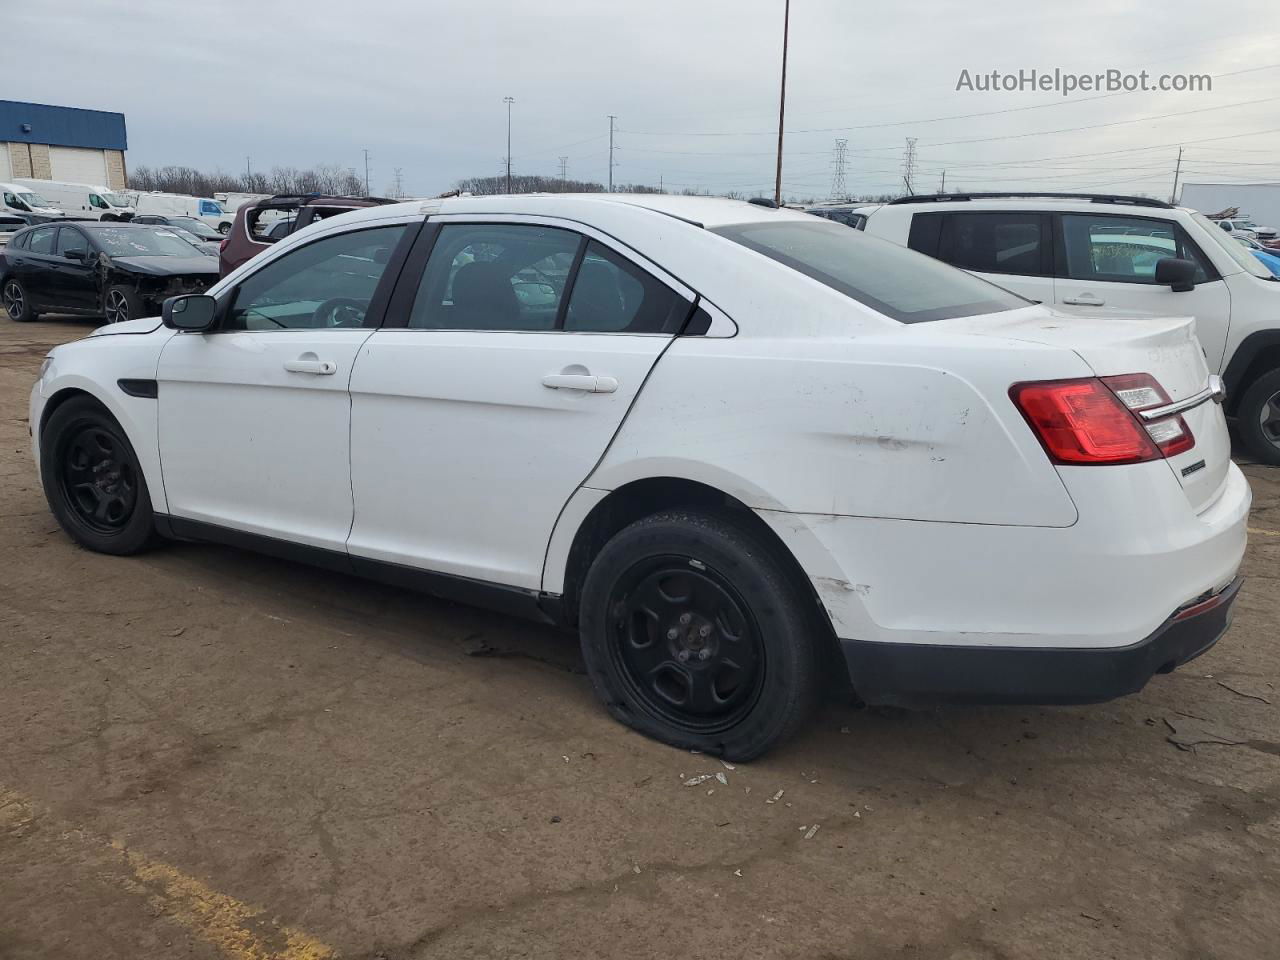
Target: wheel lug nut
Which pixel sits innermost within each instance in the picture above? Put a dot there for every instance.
(683, 656)
(685, 618)
(704, 654)
(672, 633)
(704, 631)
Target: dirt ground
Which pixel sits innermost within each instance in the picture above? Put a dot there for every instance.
(209, 754)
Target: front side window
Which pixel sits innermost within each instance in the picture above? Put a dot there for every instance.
(899, 283)
(209, 208)
(71, 240)
(97, 201)
(1123, 249)
(612, 295)
(993, 243)
(494, 277)
(41, 240)
(325, 284)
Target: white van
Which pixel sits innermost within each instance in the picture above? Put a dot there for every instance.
(81, 199)
(231, 202)
(15, 198)
(181, 205)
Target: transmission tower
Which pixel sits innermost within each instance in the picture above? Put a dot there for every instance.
(909, 165)
(839, 163)
(564, 169)
(398, 188)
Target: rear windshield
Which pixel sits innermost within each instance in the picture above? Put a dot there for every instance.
(899, 283)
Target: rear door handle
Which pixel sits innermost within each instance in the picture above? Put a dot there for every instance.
(319, 368)
(1084, 300)
(580, 381)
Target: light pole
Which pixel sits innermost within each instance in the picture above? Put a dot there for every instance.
(782, 101)
(508, 101)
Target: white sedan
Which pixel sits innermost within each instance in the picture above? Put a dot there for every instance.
(741, 450)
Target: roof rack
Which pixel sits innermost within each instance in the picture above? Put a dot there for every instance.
(1038, 194)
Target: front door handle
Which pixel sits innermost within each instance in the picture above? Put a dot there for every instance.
(319, 368)
(1084, 300)
(580, 381)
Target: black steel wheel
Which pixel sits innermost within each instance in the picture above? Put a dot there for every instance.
(16, 302)
(696, 632)
(1258, 418)
(92, 479)
(686, 643)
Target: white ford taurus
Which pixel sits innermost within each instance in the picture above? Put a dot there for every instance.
(742, 450)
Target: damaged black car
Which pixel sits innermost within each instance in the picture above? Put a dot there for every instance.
(119, 271)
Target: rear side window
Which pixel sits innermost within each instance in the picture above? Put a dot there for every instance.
(1124, 249)
(613, 295)
(925, 230)
(892, 280)
(994, 243)
(40, 240)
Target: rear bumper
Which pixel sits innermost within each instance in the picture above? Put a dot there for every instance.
(909, 674)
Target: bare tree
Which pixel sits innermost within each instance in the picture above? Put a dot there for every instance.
(326, 179)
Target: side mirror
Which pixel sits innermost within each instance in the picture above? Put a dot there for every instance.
(81, 255)
(193, 312)
(1175, 273)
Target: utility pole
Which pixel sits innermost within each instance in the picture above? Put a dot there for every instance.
(909, 165)
(508, 101)
(399, 184)
(838, 189)
(1173, 197)
(564, 169)
(366, 172)
(782, 101)
(661, 188)
(942, 187)
(248, 173)
(612, 118)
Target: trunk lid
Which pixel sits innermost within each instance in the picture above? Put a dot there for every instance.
(1115, 343)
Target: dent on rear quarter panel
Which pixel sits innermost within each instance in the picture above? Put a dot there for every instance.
(821, 426)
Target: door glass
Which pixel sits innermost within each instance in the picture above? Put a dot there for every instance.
(494, 277)
(69, 240)
(1123, 249)
(326, 284)
(41, 240)
(612, 295)
(97, 201)
(993, 242)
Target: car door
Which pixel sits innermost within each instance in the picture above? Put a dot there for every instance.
(508, 360)
(254, 415)
(1108, 261)
(73, 272)
(1010, 248)
(35, 269)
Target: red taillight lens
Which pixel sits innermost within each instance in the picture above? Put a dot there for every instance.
(1082, 422)
(1140, 391)
(1092, 421)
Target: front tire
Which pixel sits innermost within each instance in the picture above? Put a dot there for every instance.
(224, 228)
(16, 302)
(1258, 418)
(92, 480)
(121, 303)
(694, 634)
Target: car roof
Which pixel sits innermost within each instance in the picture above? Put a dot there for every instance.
(708, 212)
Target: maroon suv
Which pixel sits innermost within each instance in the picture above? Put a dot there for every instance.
(260, 224)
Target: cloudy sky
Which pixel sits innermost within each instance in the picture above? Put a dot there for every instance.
(693, 83)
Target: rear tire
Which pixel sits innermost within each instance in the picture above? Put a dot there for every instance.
(121, 303)
(92, 480)
(224, 228)
(1258, 418)
(16, 302)
(695, 634)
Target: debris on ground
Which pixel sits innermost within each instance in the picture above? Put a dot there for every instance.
(812, 830)
(738, 872)
(776, 797)
(700, 778)
(724, 781)
(1188, 736)
(1225, 686)
(727, 765)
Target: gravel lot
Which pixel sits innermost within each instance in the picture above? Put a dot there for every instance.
(205, 753)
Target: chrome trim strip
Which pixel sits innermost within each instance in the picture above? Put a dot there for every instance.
(1215, 391)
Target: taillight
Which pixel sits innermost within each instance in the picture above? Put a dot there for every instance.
(1093, 421)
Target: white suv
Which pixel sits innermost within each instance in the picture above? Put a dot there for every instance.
(1092, 254)
(734, 446)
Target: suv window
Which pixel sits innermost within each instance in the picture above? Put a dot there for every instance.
(288, 293)
(69, 238)
(1114, 249)
(892, 280)
(41, 240)
(1001, 242)
(495, 277)
(613, 295)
